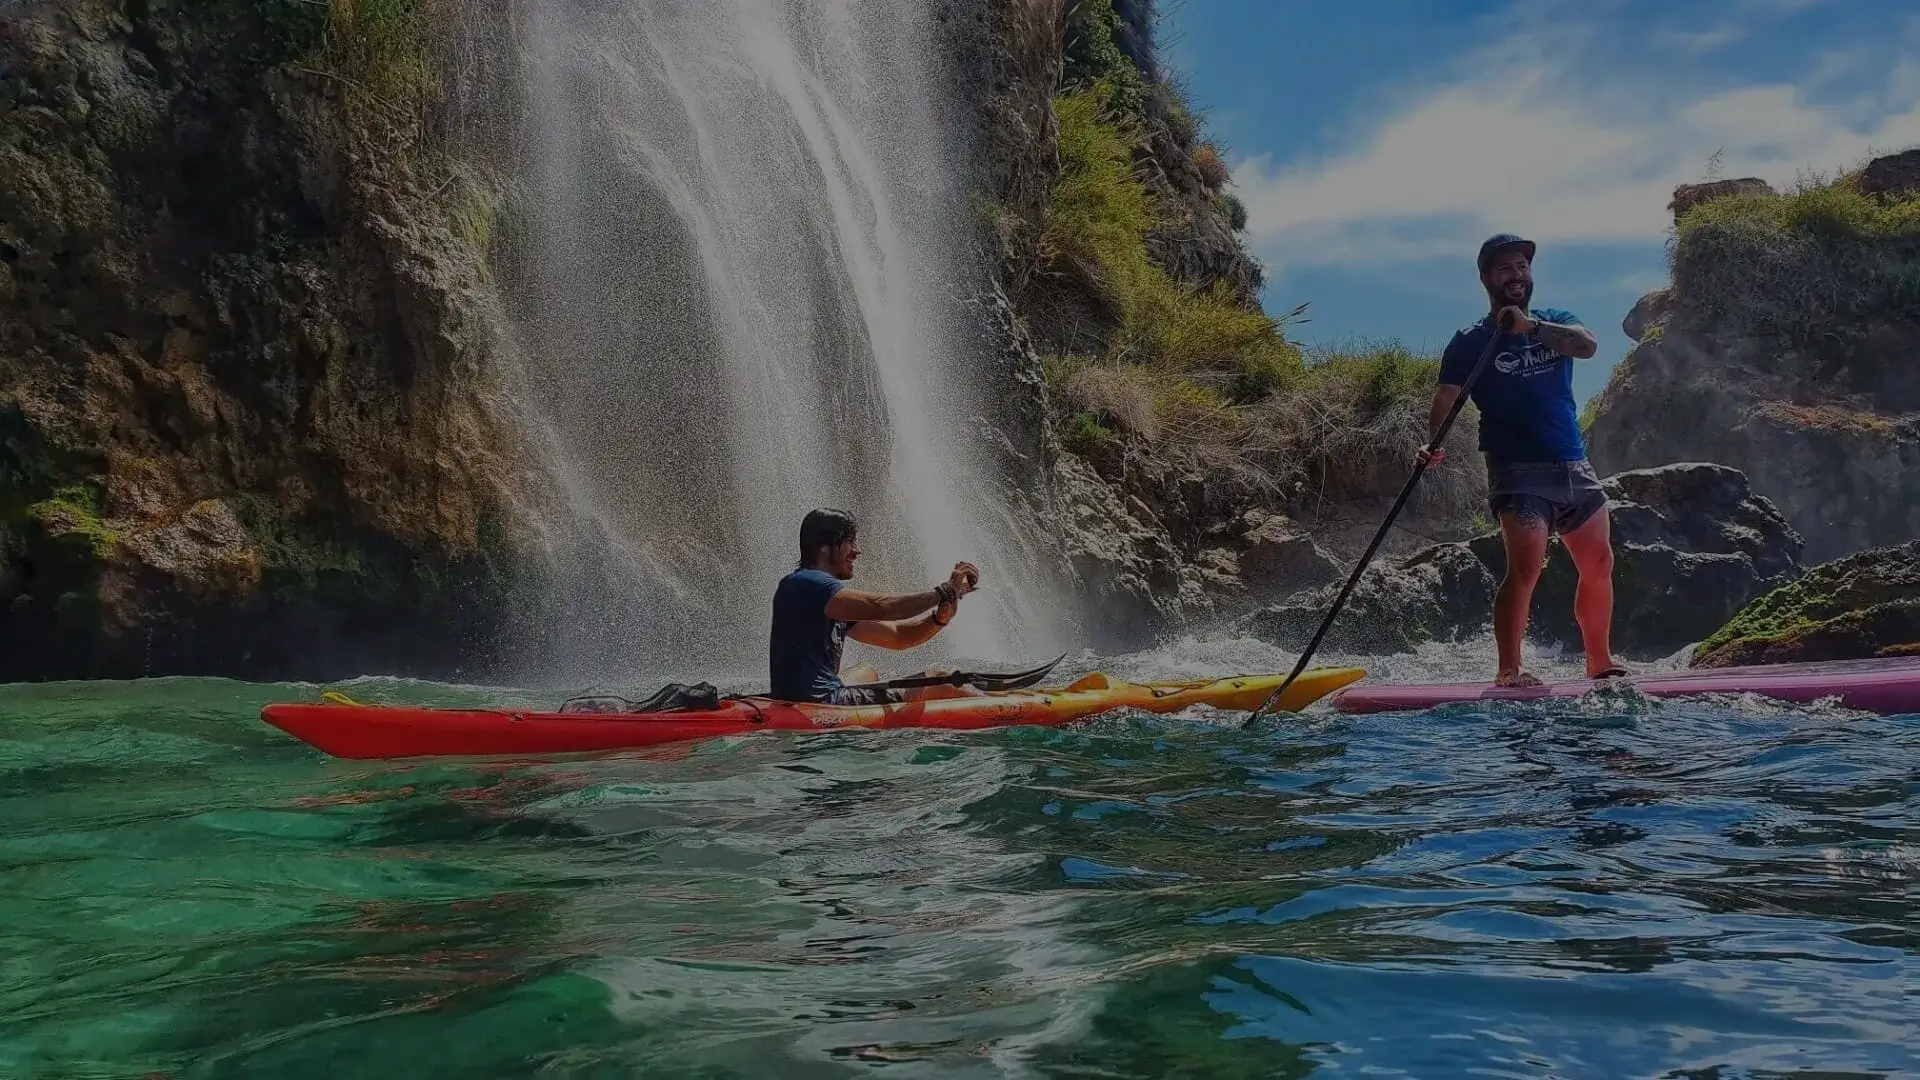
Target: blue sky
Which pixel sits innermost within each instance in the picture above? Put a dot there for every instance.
(1376, 142)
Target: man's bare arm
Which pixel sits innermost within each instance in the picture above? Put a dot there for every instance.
(899, 634)
(851, 605)
(1575, 341)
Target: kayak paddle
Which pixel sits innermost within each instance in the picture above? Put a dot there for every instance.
(1493, 343)
(1018, 680)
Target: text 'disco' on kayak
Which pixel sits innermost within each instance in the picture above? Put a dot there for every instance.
(350, 730)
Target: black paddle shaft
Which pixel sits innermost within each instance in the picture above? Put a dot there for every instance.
(1353, 579)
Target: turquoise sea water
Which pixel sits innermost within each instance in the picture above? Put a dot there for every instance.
(1702, 889)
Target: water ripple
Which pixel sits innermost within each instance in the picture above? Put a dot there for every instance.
(1691, 890)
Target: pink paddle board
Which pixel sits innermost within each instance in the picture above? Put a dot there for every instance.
(1890, 686)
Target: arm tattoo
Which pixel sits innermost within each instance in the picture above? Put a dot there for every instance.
(1575, 341)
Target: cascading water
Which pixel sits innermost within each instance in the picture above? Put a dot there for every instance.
(738, 223)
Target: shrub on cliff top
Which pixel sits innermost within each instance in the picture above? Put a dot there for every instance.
(1792, 265)
(1236, 212)
(1351, 423)
(1196, 377)
(1213, 171)
(1094, 56)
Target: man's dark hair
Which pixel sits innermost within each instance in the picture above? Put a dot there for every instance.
(824, 528)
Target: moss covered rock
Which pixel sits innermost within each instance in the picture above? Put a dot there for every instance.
(1864, 605)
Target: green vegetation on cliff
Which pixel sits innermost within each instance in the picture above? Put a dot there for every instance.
(1198, 375)
(1093, 55)
(1098, 221)
(1800, 265)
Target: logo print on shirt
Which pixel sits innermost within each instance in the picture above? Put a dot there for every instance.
(1534, 358)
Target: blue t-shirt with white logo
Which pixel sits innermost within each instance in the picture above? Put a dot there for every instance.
(803, 653)
(1525, 395)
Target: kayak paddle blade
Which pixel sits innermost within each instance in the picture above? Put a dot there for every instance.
(1018, 680)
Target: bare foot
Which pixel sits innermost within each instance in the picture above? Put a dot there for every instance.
(1517, 679)
(1608, 670)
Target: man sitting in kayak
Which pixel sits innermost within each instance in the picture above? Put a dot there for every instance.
(1538, 478)
(814, 613)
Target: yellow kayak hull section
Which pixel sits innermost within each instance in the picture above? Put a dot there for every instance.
(348, 729)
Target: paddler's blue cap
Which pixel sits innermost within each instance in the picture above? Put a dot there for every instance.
(1503, 240)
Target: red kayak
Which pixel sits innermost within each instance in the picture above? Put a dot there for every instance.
(345, 728)
(1889, 685)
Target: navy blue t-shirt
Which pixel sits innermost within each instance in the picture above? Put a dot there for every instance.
(1525, 395)
(803, 654)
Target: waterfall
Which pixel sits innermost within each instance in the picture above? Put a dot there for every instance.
(735, 281)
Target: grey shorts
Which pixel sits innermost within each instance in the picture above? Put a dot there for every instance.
(1561, 495)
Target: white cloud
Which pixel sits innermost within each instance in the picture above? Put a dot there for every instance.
(1515, 143)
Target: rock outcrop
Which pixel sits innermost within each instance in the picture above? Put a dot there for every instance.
(1688, 196)
(1785, 350)
(1140, 581)
(1692, 545)
(1864, 605)
(1896, 174)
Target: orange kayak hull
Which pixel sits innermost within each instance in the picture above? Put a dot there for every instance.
(350, 730)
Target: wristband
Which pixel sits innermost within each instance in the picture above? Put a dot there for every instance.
(944, 591)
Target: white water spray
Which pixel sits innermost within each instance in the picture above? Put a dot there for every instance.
(734, 291)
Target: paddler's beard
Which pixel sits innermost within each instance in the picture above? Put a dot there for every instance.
(1499, 298)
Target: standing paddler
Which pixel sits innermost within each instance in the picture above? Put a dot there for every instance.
(1539, 480)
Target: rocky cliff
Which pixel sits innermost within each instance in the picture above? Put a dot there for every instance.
(1184, 456)
(245, 420)
(1784, 348)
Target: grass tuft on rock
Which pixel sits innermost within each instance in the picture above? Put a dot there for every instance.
(1098, 219)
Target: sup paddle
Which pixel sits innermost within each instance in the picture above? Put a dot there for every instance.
(1018, 680)
(1493, 343)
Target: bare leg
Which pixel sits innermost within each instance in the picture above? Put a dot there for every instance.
(1591, 548)
(860, 673)
(1526, 540)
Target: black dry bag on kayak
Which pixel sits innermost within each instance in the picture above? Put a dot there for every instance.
(673, 697)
